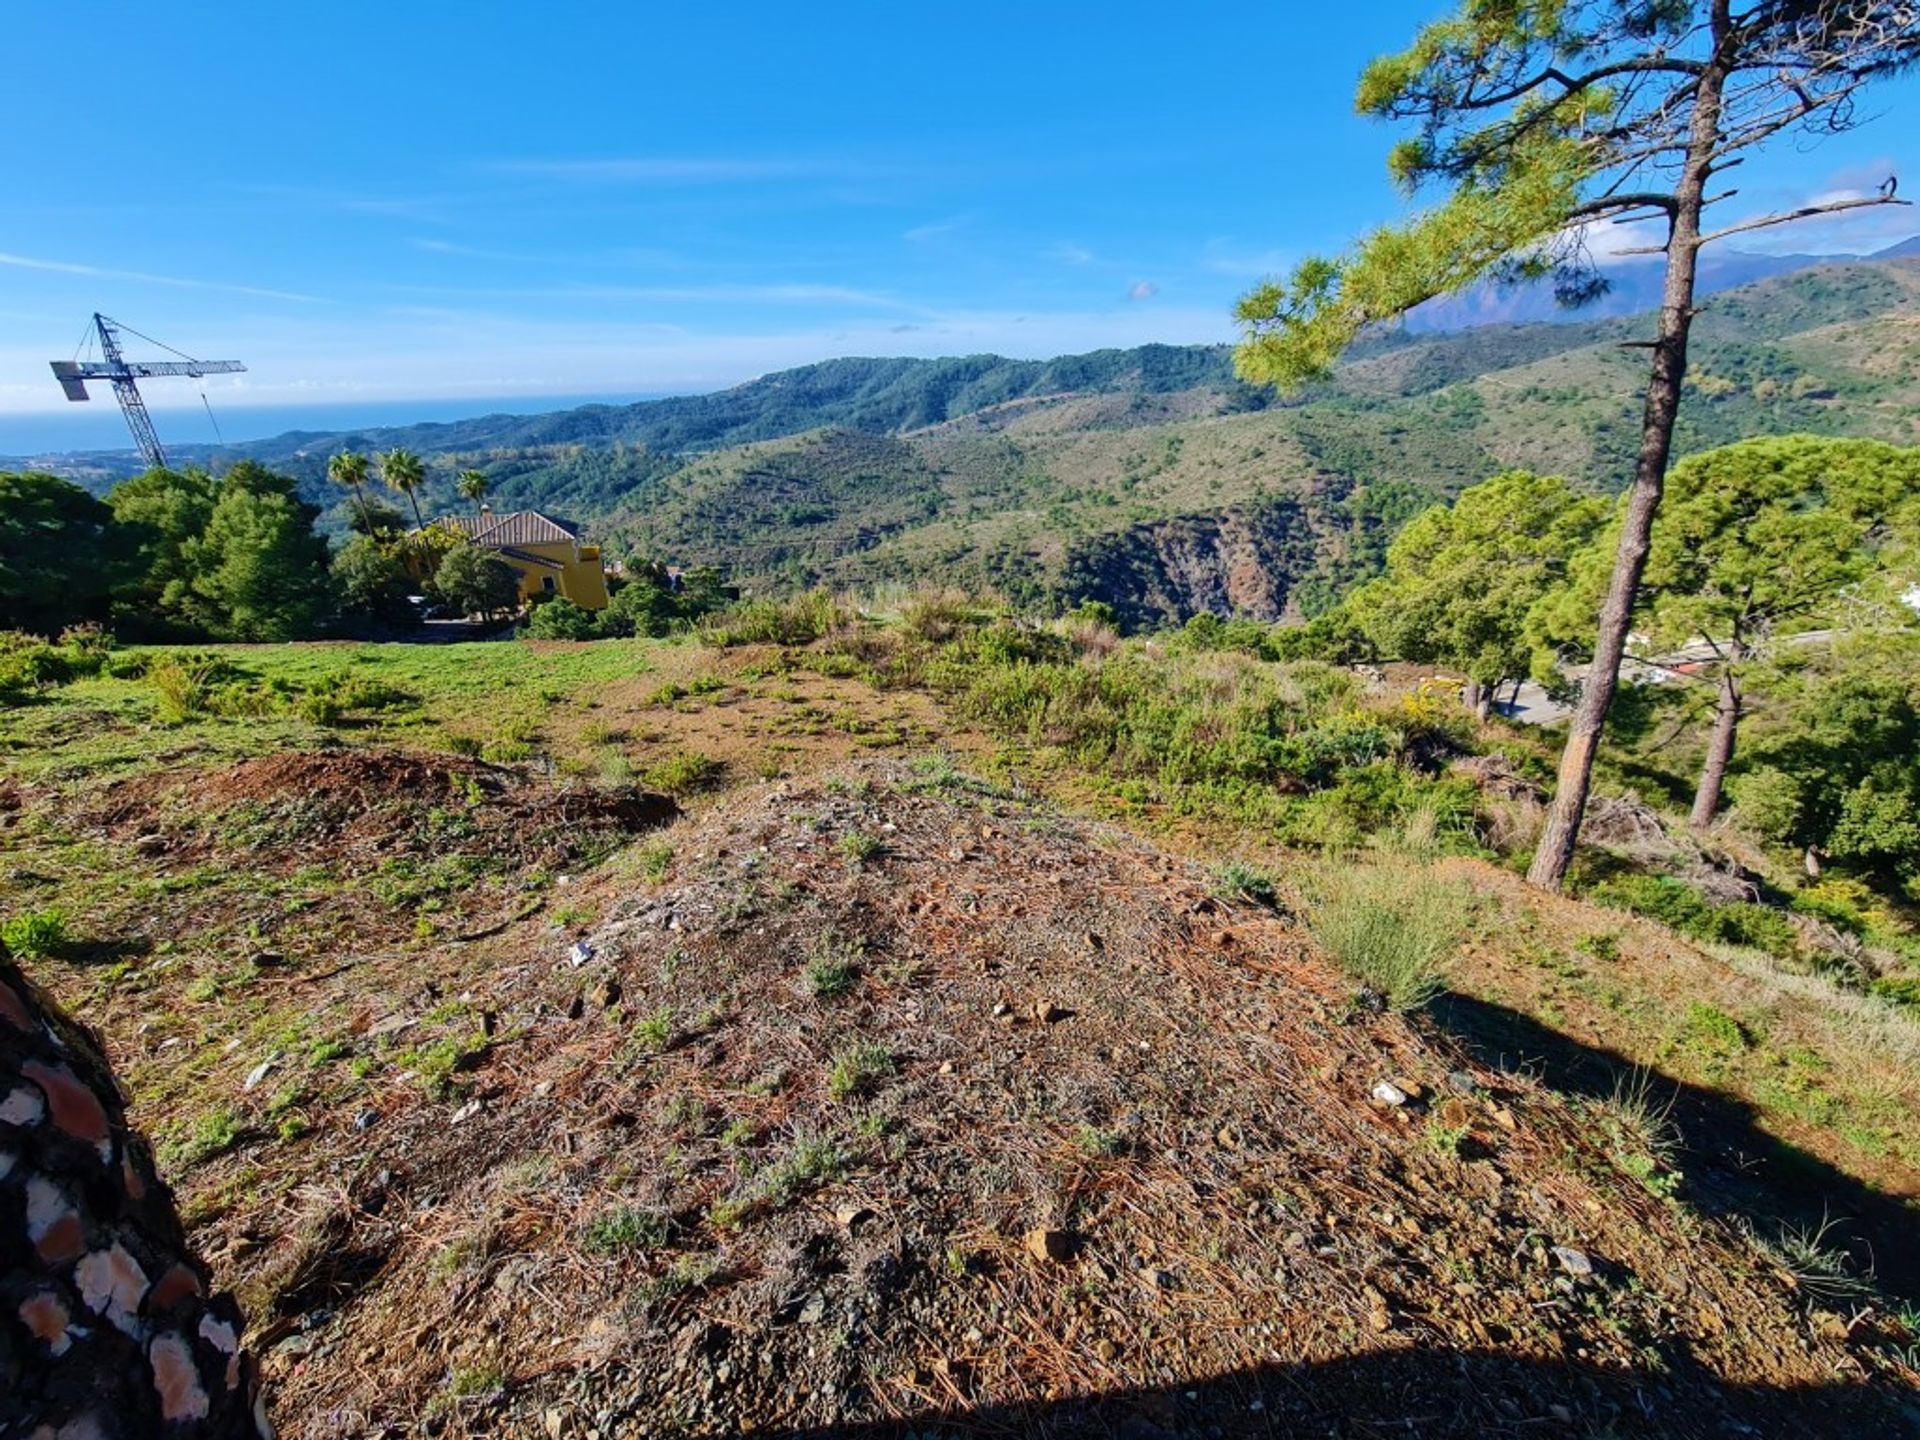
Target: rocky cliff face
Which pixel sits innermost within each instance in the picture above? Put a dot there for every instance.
(1242, 560)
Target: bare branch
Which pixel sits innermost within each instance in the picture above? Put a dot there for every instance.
(1802, 213)
(1608, 204)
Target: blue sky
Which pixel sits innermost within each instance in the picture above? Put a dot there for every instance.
(378, 202)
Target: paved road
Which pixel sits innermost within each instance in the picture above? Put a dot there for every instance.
(1533, 706)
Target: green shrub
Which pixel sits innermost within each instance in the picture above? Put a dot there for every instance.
(1392, 928)
(122, 665)
(797, 621)
(1844, 904)
(681, 773)
(184, 686)
(1238, 881)
(833, 964)
(1658, 897)
(1711, 1030)
(1901, 990)
(626, 1227)
(857, 847)
(36, 935)
(28, 663)
(857, 1069)
(1759, 927)
(561, 619)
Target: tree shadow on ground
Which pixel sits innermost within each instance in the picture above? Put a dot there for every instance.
(1732, 1167)
(1419, 1394)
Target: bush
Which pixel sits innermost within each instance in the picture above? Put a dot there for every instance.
(28, 663)
(184, 686)
(1847, 905)
(36, 935)
(681, 773)
(1759, 927)
(1901, 990)
(561, 619)
(935, 617)
(1658, 897)
(798, 621)
(1391, 928)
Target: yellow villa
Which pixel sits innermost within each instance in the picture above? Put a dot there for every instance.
(548, 554)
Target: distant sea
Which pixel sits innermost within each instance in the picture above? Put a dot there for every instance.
(97, 425)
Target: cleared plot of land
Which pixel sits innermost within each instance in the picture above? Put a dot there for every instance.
(875, 1086)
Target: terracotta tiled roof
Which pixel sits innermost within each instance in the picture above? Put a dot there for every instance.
(522, 527)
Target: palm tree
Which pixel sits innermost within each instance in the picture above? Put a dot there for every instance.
(405, 472)
(350, 471)
(472, 485)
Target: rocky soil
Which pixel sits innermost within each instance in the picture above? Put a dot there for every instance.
(893, 1104)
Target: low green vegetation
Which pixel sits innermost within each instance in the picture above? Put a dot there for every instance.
(1392, 928)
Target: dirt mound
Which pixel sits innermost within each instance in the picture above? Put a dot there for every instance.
(307, 803)
(902, 1105)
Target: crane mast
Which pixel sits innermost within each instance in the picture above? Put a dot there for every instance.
(115, 369)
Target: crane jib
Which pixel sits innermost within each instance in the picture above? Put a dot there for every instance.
(115, 369)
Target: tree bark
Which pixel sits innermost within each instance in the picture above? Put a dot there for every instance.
(1562, 830)
(1483, 703)
(1473, 695)
(1713, 774)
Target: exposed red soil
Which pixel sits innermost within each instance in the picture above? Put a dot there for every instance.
(1113, 1168)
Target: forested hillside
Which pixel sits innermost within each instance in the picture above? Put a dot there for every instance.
(1151, 478)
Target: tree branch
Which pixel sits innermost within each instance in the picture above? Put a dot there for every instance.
(1608, 203)
(1765, 221)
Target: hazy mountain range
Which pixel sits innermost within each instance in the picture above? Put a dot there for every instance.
(1150, 477)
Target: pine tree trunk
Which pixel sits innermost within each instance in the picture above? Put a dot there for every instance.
(1713, 775)
(1483, 704)
(1554, 854)
(1473, 696)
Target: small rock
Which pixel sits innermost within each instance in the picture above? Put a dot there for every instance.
(607, 994)
(856, 1217)
(1388, 1093)
(258, 1073)
(268, 959)
(366, 1120)
(815, 1310)
(1574, 1262)
(1002, 1010)
(1053, 1245)
(1461, 1083)
(1829, 1326)
(1048, 1013)
(946, 1067)
(1503, 1117)
(1107, 1350)
(555, 1423)
(579, 953)
(465, 1113)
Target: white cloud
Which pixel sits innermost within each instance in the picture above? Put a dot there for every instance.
(1223, 257)
(1142, 290)
(141, 277)
(664, 170)
(716, 294)
(1067, 253)
(934, 229)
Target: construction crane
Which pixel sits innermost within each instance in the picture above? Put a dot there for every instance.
(121, 373)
